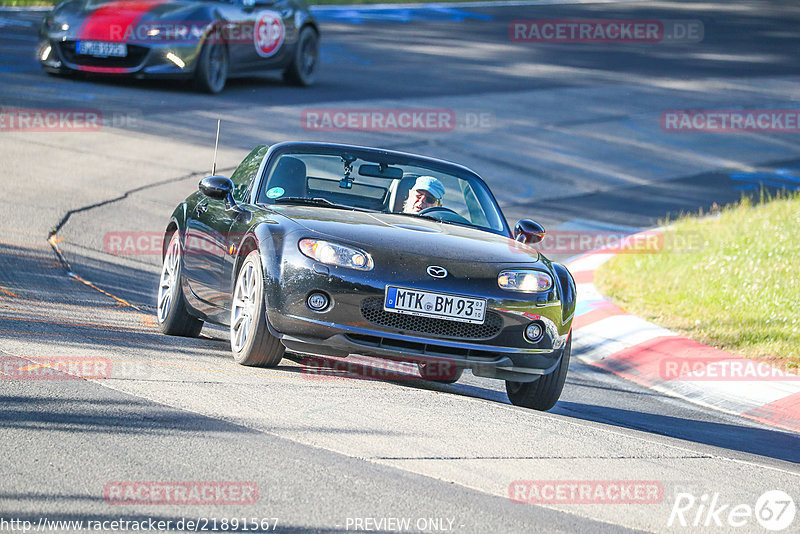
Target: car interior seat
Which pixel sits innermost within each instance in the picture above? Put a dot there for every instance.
(290, 175)
(401, 191)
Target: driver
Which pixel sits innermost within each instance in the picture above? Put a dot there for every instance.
(426, 193)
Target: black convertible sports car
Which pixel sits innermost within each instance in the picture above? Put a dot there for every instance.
(204, 40)
(336, 250)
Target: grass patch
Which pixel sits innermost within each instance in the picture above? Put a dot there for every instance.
(22, 3)
(731, 281)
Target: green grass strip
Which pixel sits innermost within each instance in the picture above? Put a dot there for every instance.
(730, 280)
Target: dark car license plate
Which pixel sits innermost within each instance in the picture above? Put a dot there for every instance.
(101, 49)
(432, 304)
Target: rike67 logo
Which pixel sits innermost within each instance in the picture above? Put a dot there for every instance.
(774, 510)
(269, 33)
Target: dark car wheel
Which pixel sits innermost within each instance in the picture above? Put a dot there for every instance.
(544, 392)
(251, 342)
(303, 69)
(211, 72)
(444, 373)
(173, 317)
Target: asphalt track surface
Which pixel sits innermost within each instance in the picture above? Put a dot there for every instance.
(573, 140)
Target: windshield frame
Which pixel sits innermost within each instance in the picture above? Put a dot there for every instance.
(377, 155)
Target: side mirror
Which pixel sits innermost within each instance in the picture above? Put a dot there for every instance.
(217, 187)
(528, 232)
(220, 188)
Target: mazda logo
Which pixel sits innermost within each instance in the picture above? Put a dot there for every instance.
(437, 272)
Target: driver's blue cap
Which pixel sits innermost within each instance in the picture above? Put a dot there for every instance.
(429, 184)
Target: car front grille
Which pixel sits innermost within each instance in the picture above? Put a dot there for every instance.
(409, 348)
(372, 310)
(135, 57)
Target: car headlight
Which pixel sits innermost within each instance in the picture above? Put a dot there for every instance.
(525, 281)
(335, 254)
(51, 23)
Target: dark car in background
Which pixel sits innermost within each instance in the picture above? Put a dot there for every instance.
(207, 41)
(310, 247)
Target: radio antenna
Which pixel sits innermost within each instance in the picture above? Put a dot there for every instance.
(216, 145)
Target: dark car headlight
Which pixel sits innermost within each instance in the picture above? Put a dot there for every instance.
(524, 280)
(52, 24)
(336, 254)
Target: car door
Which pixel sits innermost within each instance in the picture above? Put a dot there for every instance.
(207, 225)
(214, 231)
(236, 32)
(273, 32)
(242, 178)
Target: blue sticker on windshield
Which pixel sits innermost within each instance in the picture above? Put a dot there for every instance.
(275, 192)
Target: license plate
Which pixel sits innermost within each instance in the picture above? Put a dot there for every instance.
(101, 49)
(437, 305)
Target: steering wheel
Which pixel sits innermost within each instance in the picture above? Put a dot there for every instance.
(443, 214)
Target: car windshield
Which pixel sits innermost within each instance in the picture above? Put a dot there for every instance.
(383, 183)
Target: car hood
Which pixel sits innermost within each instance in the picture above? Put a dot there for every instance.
(407, 235)
(120, 21)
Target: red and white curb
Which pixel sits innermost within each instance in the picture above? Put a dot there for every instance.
(607, 337)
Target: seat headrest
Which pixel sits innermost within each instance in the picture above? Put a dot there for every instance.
(289, 174)
(401, 193)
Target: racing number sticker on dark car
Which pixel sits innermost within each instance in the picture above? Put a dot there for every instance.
(268, 33)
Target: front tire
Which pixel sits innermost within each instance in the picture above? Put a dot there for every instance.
(171, 311)
(303, 69)
(544, 392)
(251, 342)
(211, 72)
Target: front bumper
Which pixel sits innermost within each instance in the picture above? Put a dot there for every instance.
(141, 61)
(350, 324)
(505, 363)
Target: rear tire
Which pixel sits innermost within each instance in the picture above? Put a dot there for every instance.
(439, 372)
(544, 392)
(171, 310)
(211, 72)
(303, 69)
(251, 342)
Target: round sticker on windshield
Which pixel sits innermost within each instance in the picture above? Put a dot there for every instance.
(268, 33)
(275, 192)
